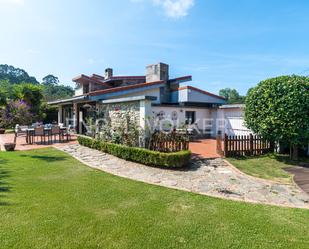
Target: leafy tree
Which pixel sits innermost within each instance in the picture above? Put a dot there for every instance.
(15, 75)
(50, 80)
(278, 109)
(3, 97)
(31, 94)
(232, 96)
(16, 84)
(54, 92)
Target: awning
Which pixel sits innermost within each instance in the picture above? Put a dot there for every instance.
(128, 99)
(68, 101)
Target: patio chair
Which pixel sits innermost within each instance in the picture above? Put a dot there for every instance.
(39, 132)
(66, 133)
(55, 130)
(20, 130)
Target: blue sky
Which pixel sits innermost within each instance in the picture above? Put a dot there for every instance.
(221, 44)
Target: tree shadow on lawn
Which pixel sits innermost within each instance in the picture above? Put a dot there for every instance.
(302, 162)
(46, 158)
(4, 187)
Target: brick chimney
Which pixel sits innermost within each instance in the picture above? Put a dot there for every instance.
(157, 72)
(108, 73)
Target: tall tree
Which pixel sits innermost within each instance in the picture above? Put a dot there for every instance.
(50, 80)
(15, 75)
(278, 109)
(54, 92)
(232, 96)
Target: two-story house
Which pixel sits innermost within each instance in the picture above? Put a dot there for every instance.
(152, 95)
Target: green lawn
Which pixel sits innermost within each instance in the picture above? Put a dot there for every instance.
(49, 200)
(268, 166)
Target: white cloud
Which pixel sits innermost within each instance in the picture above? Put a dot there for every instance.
(175, 8)
(92, 61)
(12, 2)
(172, 8)
(32, 51)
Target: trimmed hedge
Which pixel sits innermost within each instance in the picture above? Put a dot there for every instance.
(139, 155)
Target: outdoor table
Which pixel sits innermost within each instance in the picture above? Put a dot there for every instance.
(47, 131)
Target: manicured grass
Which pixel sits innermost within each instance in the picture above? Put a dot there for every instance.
(269, 166)
(49, 200)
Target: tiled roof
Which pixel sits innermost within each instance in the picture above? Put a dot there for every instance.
(183, 78)
(123, 88)
(139, 85)
(101, 79)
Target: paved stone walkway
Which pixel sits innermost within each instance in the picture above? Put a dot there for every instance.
(210, 177)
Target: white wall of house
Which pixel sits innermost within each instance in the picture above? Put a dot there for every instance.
(191, 95)
(229, 120)
(78, 91)
(202, 115)
(233, 121)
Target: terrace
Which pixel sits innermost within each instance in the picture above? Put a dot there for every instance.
(29, 142)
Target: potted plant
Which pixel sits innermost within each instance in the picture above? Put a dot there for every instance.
(10, 146)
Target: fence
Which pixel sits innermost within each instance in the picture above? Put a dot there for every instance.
(168, 142)
(250, 145)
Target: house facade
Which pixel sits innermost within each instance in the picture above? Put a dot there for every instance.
(151, 96)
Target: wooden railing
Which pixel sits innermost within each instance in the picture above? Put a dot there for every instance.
(250, 145)
(220, 145)
(168, 142)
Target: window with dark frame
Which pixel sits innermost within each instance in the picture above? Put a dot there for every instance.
(190, 117)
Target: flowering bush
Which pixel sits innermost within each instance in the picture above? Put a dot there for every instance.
(16, 112)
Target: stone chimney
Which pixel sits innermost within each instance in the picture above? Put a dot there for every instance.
(157, 72)
(108, 73)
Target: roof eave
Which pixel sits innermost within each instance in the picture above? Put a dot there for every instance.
(69, 100)
(129, 99)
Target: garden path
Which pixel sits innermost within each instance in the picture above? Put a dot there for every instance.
(213, 177)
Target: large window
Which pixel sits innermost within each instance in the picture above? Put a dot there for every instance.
(85, 88)
(67, 115)
(190, 117)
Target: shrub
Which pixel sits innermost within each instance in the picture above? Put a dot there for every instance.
(139, 155)
(277, 109)
(16, 112)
